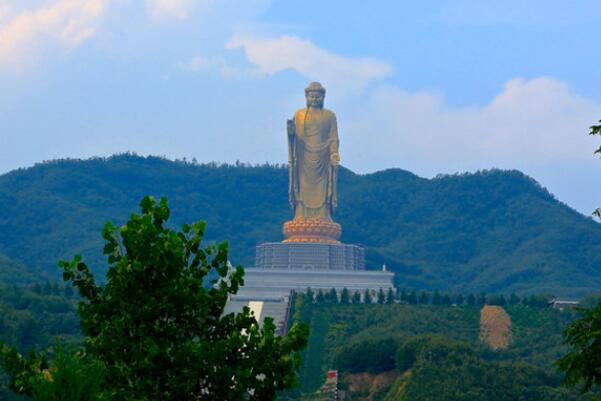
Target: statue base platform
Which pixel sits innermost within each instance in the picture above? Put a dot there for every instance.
(310, 256)
(312, 230)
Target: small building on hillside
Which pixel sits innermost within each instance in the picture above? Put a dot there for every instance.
(561, 304)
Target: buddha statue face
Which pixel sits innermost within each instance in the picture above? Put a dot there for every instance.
(315, 99)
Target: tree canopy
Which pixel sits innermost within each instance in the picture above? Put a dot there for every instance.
(159, 332)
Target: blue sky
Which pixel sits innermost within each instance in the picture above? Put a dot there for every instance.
(431, 87)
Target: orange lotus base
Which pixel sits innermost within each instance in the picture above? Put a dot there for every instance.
(312, 230)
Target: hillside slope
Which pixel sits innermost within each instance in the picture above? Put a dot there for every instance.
(13, 273)
(494, 231)
(359, 339)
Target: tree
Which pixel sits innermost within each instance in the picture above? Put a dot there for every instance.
(498, 300)
(424, 298)
(459, 300)
(471, 300)
(412, 298)
(403, 296)
(514, 299)
(331, 296)
(596, 130)
(446, 300)
(344, 296)
(310, 295)
(356, 298)
(320, 297)
(367, 297)
(159, 333)
(583, 363)
(436, 299)
(381, 297)
(390, 296)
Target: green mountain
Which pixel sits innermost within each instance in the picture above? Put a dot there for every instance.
(493, 231)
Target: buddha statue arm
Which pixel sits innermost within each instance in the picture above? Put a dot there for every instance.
(334, 155)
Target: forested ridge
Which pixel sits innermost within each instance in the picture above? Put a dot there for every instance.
(494, 231)
(432, 352)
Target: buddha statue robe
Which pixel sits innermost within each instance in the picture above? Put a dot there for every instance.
(314, 140)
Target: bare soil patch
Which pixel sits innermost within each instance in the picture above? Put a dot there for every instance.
(495, 327)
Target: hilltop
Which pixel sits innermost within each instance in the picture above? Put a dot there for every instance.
(493, 231)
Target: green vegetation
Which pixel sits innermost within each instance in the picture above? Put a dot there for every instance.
(435, 368)
(366, 338)
(12, 273)
(37, 316)
(493, 231)
(155, 331)
(582, 364)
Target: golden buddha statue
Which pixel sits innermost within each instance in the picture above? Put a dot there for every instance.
(313, 161)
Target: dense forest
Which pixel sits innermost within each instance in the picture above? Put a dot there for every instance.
(428, 351)
(433, 352)
(494, 231)
(36, 316)
(13, 273)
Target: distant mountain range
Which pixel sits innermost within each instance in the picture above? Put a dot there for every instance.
(494, 231)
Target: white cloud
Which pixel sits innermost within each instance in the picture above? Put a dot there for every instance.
(220, 64)
(179, 9)
(290, 52)
(70, 22)
(530, 123)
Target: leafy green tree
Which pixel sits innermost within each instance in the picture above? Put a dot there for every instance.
(23, 372)
(514, 299)
(320, 297)
(583, 363)
(424, 298)
(344, 296)
(159, 333)
(446, 300)
(69, 376)
(436, 299)
(412, 298)
(471, 300)
(459, 300)
(356, 298)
